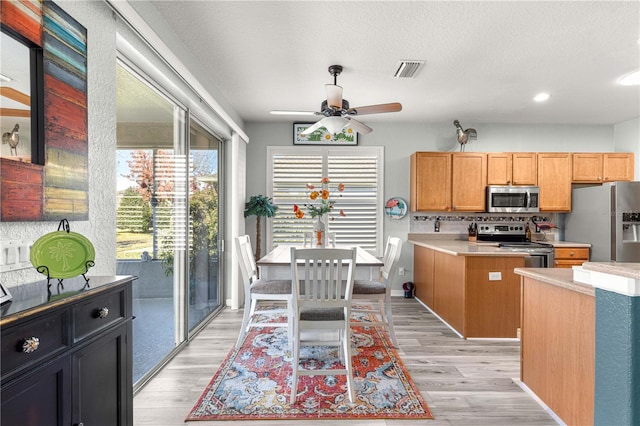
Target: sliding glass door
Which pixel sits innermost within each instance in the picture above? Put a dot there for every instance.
(167, 218)
(204, 206)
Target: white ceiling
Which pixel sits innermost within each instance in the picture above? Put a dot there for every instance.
(484, 60)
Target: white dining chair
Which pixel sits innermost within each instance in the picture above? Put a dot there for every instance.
(256, 290)
(379, 291)
(323, 282)
(309, 239)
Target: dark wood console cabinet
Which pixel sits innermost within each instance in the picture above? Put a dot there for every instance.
(81, 370)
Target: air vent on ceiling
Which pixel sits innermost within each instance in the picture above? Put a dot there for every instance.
(407, 69)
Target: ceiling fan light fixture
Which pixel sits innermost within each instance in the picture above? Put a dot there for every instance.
(334, 125)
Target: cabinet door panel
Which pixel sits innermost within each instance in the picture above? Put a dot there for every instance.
(525, 168)
(100, 380)
(587, 168)
(35, 399)
(618, 167)
(554, 180)
(423, 277)
(499, 167)
(469, 181)
(430, 181)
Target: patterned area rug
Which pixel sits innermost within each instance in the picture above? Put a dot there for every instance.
(254, 382)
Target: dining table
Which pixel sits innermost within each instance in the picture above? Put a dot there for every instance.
(277, 263)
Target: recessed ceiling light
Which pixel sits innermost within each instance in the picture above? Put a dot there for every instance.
(631, 79)
(541, 97)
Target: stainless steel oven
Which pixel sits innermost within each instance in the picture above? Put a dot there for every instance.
(540, 254)
(511, 236)
(513, 199)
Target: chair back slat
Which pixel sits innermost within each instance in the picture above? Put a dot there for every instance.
(247, 262)
(391, 255)
(323, 277)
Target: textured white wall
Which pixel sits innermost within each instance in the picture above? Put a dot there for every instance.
(626, 138)
(97, 18)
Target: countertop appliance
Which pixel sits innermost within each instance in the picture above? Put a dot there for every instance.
(513, 199)
(607, 217)
(512, 236)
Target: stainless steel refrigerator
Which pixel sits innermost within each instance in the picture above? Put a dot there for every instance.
(608, 218)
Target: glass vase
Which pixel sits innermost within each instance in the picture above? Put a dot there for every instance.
(319, 230)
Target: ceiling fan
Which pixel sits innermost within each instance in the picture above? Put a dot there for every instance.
(337, 113)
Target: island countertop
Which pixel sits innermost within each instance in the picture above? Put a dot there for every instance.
(624, 269)
(561, 277)
(464, 248)
(459, 247)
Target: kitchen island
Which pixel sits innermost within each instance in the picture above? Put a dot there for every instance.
(471, 286)
(557, 355)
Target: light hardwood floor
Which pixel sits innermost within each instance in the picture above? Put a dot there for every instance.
(464, 382)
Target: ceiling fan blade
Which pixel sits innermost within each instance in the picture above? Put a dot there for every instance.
(334, 95)
(375, 109)
(359, 127)
(285, 112)
(312, 128)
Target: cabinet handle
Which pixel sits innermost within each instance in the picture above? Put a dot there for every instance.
(103, 313)
(30, 345)
(571, 253)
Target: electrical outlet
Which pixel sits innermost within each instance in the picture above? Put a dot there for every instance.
(401, 270)
(495, 276)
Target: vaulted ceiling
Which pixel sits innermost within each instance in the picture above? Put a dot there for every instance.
(483, 61)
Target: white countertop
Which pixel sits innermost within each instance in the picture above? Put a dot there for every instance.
(561, 277)
(624, 269)
(465, 248)
(458, 247)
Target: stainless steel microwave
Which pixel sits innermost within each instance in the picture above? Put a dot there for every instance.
(513, 199)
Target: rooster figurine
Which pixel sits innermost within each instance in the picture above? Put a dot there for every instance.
(12, 138)
(464, 136)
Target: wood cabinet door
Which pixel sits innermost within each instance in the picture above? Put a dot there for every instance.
(499, 166)
(102, 387)
(587, 167)
(554, 180)
(430, 181)
(469, 181)
(524, 168)
(40, 398)
(617, 166)
(423, 271)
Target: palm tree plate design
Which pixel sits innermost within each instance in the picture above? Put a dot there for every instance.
(65, 254)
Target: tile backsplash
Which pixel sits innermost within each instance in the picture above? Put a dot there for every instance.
(449, 223)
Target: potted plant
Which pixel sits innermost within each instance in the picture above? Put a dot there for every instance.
(259, 206)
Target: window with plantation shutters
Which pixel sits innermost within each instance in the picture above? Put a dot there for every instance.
(360, 169)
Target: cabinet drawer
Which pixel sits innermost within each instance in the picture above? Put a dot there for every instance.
(568, 263)
(97, 313)
(49, 330)
(581, 253)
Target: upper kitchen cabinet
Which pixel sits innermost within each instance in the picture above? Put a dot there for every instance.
(554, 180)
(468, 181)
(430, 184)
(512, 168)
(594, 167)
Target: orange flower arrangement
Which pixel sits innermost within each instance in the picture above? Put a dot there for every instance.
(322, 197)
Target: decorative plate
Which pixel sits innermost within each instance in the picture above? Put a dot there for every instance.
(65, 254)
(395, 208)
